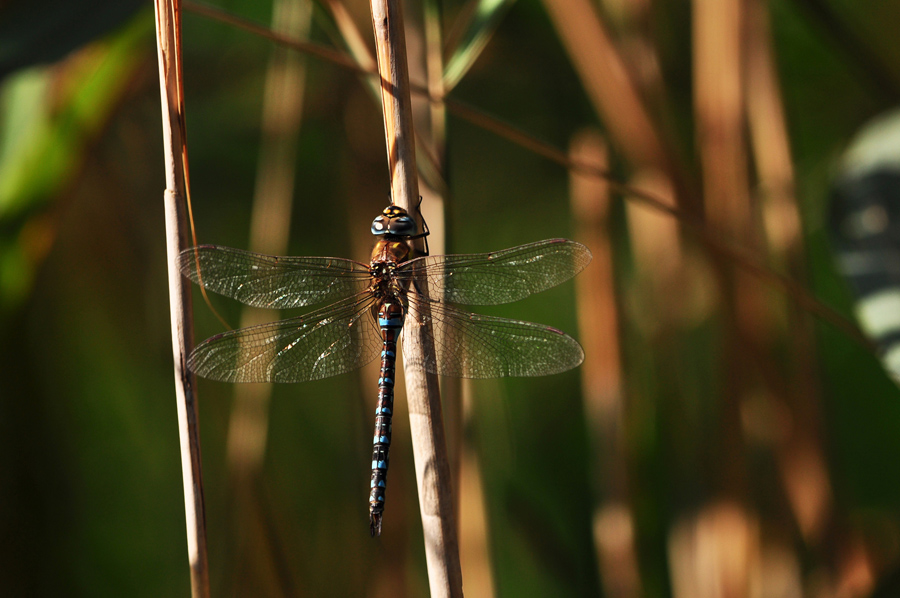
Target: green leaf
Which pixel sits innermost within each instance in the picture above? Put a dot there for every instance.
(485, 19)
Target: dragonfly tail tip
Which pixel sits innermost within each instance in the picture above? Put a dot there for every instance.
(375, 524)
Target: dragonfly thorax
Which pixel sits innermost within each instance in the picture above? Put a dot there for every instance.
(386, 257)
(388, 251)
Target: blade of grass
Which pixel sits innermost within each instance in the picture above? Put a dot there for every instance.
(483, 22)
(355, 43)
(49, 117)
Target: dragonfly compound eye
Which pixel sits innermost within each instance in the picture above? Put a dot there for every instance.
(379, 226)
(404, 226)
(394, 221)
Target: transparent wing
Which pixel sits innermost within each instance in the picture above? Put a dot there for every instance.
(475, 346)
(270, 281)
(326, 342)
(500, 276)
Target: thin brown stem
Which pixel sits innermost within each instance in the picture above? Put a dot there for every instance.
(601, 375)
(168, 34)
(269, 232)
(800, 455)
(271, 216)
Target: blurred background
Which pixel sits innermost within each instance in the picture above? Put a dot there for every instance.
(727, 436)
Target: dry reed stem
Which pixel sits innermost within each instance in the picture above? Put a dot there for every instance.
(658, 255)
(423, 397)
(718, 107)
(600, 331)
(801, 458)
(429, 120)
(168, 33)
(715, 553)
(722, 548)
(601, 375)
(271, 215)
(475, 557)
(770, 143)
(253, 545)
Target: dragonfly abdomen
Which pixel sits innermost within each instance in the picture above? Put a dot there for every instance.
(390, 321)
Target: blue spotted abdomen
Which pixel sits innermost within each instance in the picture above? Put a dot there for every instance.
(390, 321)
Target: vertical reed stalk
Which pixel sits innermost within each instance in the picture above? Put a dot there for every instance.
(269, 231)
(800, 455)
(271, 217)
(425, 61)
(656, 243)
(719, 130)
(423, 396)
(601, 375)
(725, 532)
(168, 38)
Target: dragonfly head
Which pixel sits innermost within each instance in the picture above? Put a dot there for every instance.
(394, 221)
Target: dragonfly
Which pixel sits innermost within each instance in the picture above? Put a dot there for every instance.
(368, 305)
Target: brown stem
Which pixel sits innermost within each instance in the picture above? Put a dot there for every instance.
(601, 374)
(270, 220)
(168, 20)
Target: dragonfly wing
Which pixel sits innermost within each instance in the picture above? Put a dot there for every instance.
(330, 341)
(500, 276)
(273, 282)
(476, 346)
